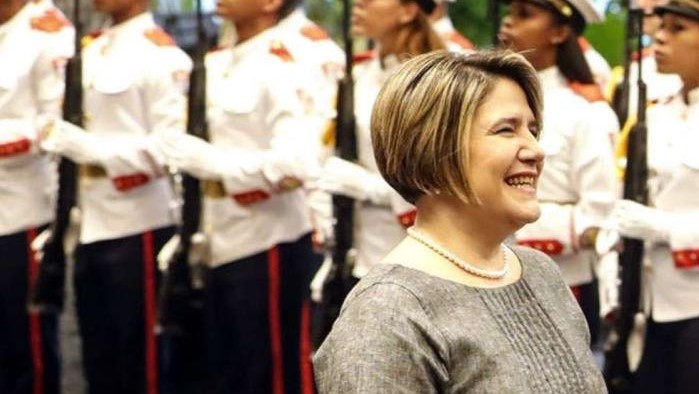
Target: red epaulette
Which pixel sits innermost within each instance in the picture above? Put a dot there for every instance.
(362, 57)
(51, 21)
(90, 37)
(589, 91)
(278, 49)
(460, 40)
(584, 44)
(314, 32)
(159, 37)
(644, 54)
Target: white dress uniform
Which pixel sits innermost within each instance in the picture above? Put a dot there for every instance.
(134, 78)
(599, 66)
(34, 46)
(379, 227)
(454, 40)
(313, 49)
(258, 124)
(577, 187)
(673, 188)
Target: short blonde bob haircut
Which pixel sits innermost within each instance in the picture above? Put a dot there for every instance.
(422, 118)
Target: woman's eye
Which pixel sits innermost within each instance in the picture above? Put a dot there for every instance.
(504, 130)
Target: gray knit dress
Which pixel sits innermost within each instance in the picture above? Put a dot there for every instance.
(404, 331)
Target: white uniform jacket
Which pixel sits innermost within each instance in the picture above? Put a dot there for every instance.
(577, 187)
(134, 79)
(377, 228)
(454, 40)
(258, 123)
(673, 137)
(34, 46)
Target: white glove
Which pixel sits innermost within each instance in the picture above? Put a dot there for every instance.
(37, 245)
(634, 220)
(342, 177)
(66, 139)
(193, 156)
(608, 276)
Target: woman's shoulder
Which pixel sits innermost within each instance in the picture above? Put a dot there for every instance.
(532, 259)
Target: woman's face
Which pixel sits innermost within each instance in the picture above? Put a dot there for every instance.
(378, 19)
(505, 157)
(529, 29)
(677, 46)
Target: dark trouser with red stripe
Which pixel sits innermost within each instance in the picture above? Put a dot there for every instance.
(29, 356)
(115, 287)
(588, 299)
(259, 323)
(670, 363)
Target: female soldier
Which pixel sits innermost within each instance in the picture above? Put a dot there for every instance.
(124, 197)
(400, 29)
(577, 187)
(670, 225)
(34, 43)
(255, 211)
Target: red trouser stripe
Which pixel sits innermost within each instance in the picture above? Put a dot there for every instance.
(275, 326)
(305, 351)
(577, 292)
(34, 320)
(149, 300)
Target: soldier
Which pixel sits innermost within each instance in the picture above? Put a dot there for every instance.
(399, 28)
(442, 24)
(34, 44)
(669, 225)
(132, 78)
(577, 187)
(261, 151)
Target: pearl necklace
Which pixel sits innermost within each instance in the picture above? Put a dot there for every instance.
(458, 262)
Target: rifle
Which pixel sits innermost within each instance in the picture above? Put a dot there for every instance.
(47, 294)
(339, 281)
(181, 297)
(629, 317)
(178, 281)
(620, 97)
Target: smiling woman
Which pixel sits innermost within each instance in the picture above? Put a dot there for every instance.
(452, 309)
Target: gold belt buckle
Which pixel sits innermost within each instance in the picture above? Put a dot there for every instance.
(92, 171)
(213, 189)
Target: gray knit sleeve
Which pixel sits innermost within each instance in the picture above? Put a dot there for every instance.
(382, 342)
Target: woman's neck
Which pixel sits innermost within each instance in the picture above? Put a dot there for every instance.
(125, 14)
(252, 27)
(9, 9)
(541, 59)
(689, 84)
(460, 228)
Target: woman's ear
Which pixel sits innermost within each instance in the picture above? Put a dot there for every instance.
(408, 12)
(560, 33)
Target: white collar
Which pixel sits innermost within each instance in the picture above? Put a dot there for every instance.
(20, 17)
(551, 78)
(138, 23)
